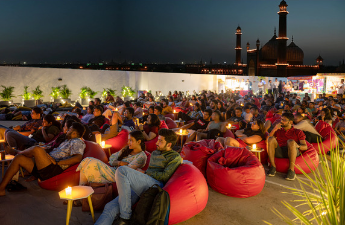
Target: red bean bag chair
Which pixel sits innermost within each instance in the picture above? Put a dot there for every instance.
(198, 152)
(188, 193)
(228, 133)
(118, 142)
(70, 177)
(170, 123)
(308, 157)
(235, 172)
(329, 138)
(170, 115)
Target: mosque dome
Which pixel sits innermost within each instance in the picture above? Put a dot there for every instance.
(269, 51)
(294, 54)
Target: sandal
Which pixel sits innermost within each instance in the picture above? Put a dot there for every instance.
(14, 186)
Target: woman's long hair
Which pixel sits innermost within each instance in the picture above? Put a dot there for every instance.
(154, 121)
(328, 115)
(138, 135)
(261, 126)
(51, 119)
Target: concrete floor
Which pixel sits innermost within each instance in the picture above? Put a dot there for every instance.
(38, 206)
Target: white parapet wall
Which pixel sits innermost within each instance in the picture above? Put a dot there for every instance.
(47, 78)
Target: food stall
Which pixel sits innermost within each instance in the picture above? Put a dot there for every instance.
(312, 85)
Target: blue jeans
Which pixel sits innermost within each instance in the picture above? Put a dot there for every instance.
(130, 185)
(17, 140)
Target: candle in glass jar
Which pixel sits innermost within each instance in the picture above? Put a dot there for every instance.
(174, 111)
(68, 190)
(103, 144)
(180, 131)
(254, 146)
(229, 126)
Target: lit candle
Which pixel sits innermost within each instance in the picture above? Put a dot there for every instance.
(180, 131)
(254, 146)
(58, 118)
(68, 190)
(103, 144)
(229, 126)
(174, 111)
(115, 109)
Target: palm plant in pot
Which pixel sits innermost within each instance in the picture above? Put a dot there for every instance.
(27, 101)
(91, 93)
(83, 95)
(65, 93)
(55, 93)
(37, 93)
(127, 93)
(6, 95)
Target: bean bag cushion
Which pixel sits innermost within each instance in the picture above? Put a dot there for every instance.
(118, 142)
(228, 133)
(70, 177)
(188, 193)
(170, 123)
(170, 115)
(329, 138)
(309, 157)
(235, 172)
(198, 152)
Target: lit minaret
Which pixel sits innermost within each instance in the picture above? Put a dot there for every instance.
(238, 45)
(282, 39)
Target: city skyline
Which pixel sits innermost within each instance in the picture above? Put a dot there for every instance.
(163, 31)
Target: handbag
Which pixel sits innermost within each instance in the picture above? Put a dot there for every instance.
(103, 193)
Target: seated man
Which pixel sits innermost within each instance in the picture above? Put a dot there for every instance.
(132, 183)
(158, 111)
(238, 116)
(43, 165)
(128, 122)
(312, 136)
(285, 141)
(27, 128)
(97, 123)
(200, 124)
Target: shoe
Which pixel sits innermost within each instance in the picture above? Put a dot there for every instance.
(121, 221)
(272, 171)
(291, 175)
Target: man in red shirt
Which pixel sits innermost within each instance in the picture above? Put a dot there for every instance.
(285, 141)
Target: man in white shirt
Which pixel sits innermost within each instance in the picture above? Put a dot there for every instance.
(270, 87)
(261, 87)
(276, 86)
(312, 136)
(340, 87)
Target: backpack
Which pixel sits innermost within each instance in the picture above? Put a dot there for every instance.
(153, 207)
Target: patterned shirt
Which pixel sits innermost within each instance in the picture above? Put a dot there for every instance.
(67, 149)
(31, 125)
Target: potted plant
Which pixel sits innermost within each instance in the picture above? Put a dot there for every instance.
(27, 101)
(6, 95)
(91, 93)
(65, 93)
(37, 94)
(55, 94)
(127, 93)
(83, 95)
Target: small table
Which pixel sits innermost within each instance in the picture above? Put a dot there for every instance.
(178, 122)
(78, 192)
(175, 114)
(256, 151)
(8, 159)
(184, 133)
(107, 146)
(2, 142)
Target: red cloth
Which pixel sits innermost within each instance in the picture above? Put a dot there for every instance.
(283, 136)
(148, 129)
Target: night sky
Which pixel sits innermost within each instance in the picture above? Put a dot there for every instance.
(161, 31)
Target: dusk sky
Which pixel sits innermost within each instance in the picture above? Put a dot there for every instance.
(163, 31)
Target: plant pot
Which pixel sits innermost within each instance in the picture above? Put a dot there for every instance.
(29, 103)
(57, 100)
(126, 99)
(66, 100)
(84, 102)
(4, 103)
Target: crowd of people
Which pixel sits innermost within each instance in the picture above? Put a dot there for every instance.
(46, 145)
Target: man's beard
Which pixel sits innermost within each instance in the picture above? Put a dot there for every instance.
(68, 136)
(161, 149)
(284, 125)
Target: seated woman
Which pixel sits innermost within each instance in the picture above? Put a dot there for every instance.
(89, 115)
(150, 102)
(109, 98)
(220, 107)
(324, 116)
(171, 102)
(133, 156)
(151, 127)
(194, 115)
(248, 136)
(215, 128)
(166, 108)
(45, 134)
(138, 111)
